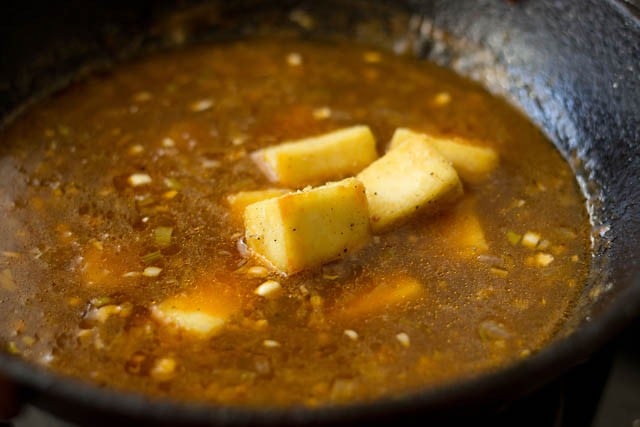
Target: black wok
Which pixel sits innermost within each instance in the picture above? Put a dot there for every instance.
(572, 66)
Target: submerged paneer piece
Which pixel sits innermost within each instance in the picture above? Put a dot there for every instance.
(387, 295)
(463, 231)
(318, 159)
(106, 265)
(473, 163)
(239, 201)
(410, 177)
(201, 311)
(310, 227)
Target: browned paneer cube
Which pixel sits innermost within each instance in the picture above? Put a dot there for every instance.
(318, 159)
(390, 294)
(239, 201)
(410, 177)
(310, 227)
(473, 163)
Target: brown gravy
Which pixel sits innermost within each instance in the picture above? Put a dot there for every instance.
(75, 236)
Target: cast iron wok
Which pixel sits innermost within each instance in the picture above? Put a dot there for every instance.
(572, 66)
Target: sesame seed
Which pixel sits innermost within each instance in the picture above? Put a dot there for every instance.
(257, 271)
(294, 59)
(201, 105)
(270, 343)
(131, 274)
(138, 179)
(351, 334)
(322, 113)
(152, 271)
(403, 339)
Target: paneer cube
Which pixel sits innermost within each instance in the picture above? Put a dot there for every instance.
(385, 296)
(462, 230)
(308, 228)
(239, 201)
(410, 177)
(473, 163)
(318, 159)
(105, 266)
(201, 312)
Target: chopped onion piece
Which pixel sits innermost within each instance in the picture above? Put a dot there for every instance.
(530, 239)
(138, 179)
(513, 237)
(162, 236)
(544, 259)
